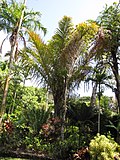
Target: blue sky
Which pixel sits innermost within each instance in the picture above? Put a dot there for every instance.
(80, 10)
(53, 10)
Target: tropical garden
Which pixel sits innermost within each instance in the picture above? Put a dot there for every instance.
(49, 120)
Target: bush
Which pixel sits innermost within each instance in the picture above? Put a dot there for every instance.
(103, 148)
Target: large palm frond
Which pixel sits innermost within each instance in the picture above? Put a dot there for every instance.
(76, 54)
(38, 53)
(63, 33)
(68, 47)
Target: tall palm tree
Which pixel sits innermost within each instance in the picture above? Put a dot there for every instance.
(13, 43)
(12, 22)
(63, 60)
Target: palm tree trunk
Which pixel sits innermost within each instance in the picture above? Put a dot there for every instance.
(12, 53)
(2, 110)
(64, 111)
(99, 97)
(93, 97)
(60, 107)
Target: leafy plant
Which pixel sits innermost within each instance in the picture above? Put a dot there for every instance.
(103, 148)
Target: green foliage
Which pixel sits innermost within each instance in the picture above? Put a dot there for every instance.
(61, 62)
(72, 136)
(20, 97)
(29, 111)
(62, 149)
(85, 99)
(112, 23)
(9, 19)
(65, 149)
(78, 111)
(102, 147)
(80, 115)
(109, 20)
(105, 105)
(23, 131)
(107, 43)
(87, 30)
(3, 70)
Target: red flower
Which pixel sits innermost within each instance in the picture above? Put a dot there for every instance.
(8, 125)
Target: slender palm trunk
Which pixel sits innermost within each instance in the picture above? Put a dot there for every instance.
(99, 97)
(12, 53)
(93, 97)
(2, 110)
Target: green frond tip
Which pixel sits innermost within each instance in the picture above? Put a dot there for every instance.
(65, 28)
(65, 23)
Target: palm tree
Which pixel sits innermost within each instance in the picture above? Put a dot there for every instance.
(12, 22)
(99, 78)
(13, 43)
(63, 60)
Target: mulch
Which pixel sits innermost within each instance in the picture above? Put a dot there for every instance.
(31, 155)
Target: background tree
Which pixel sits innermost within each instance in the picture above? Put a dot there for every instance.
(100, 80)
(108, 41)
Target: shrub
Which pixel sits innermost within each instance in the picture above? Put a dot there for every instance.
(51, 129)
(103, 148)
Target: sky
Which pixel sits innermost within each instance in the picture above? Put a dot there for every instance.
(79, 10)
(53, 11)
